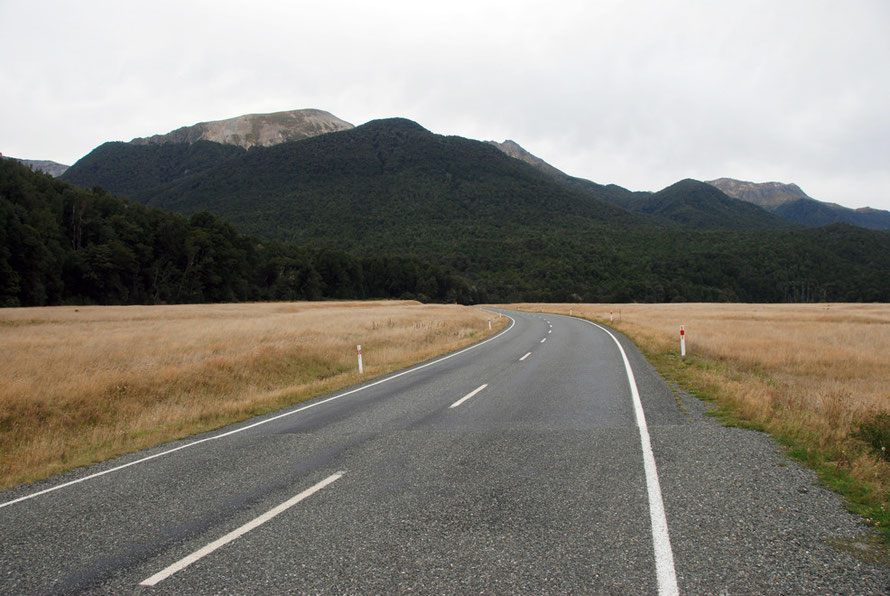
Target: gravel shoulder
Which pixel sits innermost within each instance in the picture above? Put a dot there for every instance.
(746, 519)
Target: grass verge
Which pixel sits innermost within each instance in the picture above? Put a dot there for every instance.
(719, 384)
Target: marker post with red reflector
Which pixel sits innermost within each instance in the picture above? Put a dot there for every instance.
(682, 341)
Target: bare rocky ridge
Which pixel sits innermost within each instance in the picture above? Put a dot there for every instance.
(515, 151)
(52, 168)
(252, 130)
(765, 194)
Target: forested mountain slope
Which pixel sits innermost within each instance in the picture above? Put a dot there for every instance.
(132, 170)
(63, 245)
(392, 188)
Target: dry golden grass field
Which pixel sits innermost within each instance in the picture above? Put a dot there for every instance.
(82, 384)
(816, 376)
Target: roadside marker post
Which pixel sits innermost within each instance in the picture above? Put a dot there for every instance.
(682, 341)
(361, 370)
(610, 316)
(489, 324)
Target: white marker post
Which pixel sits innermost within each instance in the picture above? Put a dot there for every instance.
(610, 316)
(682, 341)
(361, 370)
(489, 324)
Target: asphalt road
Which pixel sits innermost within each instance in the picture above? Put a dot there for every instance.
(533, 482)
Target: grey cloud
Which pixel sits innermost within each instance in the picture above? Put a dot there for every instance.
(638, 93)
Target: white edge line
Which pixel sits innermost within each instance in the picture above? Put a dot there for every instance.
(468, 395)
(661, 540)
(234, 534)
(261, 422)
(526, 356)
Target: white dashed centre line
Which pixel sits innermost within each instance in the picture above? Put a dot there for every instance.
(543, 340)
(220, 542)
(526, 356)
(468, 395)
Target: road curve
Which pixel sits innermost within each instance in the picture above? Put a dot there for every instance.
(515, 466)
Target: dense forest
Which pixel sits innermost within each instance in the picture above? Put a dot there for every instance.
(60, 244)
(389, 209)
(125, 169)
(391, 187)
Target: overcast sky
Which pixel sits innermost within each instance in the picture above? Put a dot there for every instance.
(636, 93)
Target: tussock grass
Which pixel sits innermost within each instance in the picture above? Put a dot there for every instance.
(80, 385)
(816, 376)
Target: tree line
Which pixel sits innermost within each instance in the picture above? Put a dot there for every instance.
(60, 244)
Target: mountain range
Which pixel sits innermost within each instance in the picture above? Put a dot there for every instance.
(511, 226)
(143, 168)
(786, 201)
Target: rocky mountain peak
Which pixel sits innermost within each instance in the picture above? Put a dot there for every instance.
(252, 130)
(765, 194)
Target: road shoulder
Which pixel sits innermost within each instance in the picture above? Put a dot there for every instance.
(746, 519)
